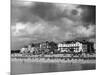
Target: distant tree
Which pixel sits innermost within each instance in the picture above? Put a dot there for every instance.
(53, 47)
(15, 51)
(12, 51)
(32, 44)
(90, 47)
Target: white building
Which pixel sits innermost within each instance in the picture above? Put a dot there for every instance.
(32, 49)
(68, 47)
(29, 47)
(22, 50)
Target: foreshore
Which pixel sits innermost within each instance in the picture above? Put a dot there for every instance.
(55, 58)
(43, 60)
(50, 63)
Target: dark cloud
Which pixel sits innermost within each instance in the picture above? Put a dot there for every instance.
(46, 11)
(21, 13)
(51, 21)
(50, 12)
(89, 14)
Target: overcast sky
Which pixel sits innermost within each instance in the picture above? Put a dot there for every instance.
(38, 21)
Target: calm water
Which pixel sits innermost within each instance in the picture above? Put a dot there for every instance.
(27, 68)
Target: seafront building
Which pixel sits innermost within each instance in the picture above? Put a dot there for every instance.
(62, 47)
(44, 47)
(75, 46)
(23, 50)
(69, 47)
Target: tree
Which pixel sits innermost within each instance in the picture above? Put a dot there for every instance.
(53, 47)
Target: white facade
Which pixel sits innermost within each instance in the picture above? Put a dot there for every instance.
(29, 48)
(32, 49)
(77, 47)
(23, 50)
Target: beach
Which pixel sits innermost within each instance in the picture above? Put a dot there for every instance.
(60, 58)
(29, 68)
(50, 63)
(43, 60)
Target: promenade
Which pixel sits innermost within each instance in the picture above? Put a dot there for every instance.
(60, 58)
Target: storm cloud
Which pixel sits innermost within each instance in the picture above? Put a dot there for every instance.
(41, 21)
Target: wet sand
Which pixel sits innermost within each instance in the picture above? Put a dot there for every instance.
(29, 65)
(27, 68)
(44, 60)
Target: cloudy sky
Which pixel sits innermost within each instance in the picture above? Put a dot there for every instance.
(38, 21)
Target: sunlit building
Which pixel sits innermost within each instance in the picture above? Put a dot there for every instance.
(72, 47)
(23, 50)
(44, 47)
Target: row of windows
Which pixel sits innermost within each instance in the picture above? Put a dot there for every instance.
(68, 49)
(77, 50)
(68, 45)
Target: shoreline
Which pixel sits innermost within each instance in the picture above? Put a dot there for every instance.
(43, 60)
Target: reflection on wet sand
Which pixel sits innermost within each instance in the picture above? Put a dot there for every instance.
(26, 68)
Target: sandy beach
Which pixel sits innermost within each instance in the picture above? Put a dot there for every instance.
(23, 68)
(43, 60)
